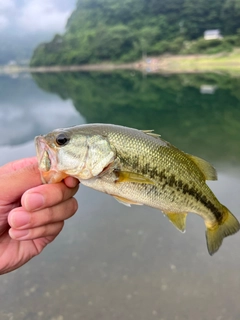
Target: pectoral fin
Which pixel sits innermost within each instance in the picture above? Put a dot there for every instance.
(126, 202)
(125, 176)
(177, 219)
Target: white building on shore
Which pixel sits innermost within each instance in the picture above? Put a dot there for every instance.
(212, 34)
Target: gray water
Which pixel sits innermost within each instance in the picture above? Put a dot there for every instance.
(114, 262)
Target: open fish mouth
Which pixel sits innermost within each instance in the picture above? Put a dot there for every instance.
(43, 154)
(46, 159)
(47, 162)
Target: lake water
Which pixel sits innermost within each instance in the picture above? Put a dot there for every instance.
(113, 262)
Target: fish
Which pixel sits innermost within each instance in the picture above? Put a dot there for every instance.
(137, 167)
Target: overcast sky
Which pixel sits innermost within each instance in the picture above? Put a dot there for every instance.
(34, 16)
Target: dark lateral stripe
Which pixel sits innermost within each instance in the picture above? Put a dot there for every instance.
(172, 182)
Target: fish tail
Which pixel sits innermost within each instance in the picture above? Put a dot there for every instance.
(215, 235)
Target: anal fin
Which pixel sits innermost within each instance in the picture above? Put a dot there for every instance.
(126, 202)
(177, 219)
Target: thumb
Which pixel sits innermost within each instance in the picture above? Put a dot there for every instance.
(14, 183)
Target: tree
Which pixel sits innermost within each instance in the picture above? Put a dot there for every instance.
(126, 30)
(231, 16)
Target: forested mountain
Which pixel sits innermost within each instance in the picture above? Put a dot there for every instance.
(104, 30)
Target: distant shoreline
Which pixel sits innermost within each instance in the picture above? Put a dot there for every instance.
(224, 62)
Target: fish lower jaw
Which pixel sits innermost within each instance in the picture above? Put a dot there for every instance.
(52, 176)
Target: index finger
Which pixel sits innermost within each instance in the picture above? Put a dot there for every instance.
(14, 183)
(17, 164)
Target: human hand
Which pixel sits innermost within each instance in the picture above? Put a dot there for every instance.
(31, 214)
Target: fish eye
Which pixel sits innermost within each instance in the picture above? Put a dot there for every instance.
(62, 139)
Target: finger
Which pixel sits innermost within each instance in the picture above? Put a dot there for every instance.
(18, 164)
(14, 184)
(71, 182)
(19, 218)
(38, 232)
(46, 195)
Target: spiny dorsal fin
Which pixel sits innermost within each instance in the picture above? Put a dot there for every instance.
(151, 133)
(206, 168)
(177, 219)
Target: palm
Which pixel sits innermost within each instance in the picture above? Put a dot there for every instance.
(15, 253)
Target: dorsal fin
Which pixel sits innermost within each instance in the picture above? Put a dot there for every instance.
(206, 168)
(151, 133)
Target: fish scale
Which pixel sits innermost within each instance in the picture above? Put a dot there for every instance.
(137, 167)
(159, 161)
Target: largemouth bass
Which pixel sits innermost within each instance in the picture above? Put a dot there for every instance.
(137, 167)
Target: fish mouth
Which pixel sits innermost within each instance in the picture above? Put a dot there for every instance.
(44, 154)
(46, 159)
(47, 162)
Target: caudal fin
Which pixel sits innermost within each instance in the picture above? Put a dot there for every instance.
(215, 236)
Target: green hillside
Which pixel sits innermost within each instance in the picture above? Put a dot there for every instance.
(126, 30)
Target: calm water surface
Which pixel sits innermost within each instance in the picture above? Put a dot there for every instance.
(110, 261)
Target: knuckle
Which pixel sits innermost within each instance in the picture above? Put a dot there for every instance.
(59, 192)
(52, 229)
(49, 215)
(75, 203)
(64, 193)
(72, 206)
(75, 189)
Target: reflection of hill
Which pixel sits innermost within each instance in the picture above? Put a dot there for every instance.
(206, 125)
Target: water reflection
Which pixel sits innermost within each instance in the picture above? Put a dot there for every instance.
(110, 261)
(26, 111)
(207, 125)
